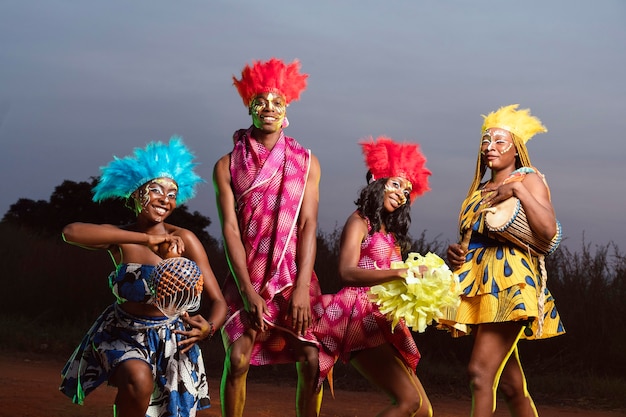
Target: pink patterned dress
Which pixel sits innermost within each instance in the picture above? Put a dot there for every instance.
(269, 189)
(350, 322)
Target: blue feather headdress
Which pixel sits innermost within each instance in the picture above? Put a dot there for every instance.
(122, 176)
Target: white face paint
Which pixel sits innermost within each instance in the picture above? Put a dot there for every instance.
(496, 139)
(161, 188)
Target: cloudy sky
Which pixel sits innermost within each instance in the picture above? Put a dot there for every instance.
(81, 81)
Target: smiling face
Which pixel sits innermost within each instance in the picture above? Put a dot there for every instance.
(268, 110)
(157, 198)
(496, 148)
(397, 193)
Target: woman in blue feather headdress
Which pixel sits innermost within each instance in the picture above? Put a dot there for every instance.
(153, 359)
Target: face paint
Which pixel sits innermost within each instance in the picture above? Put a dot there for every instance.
(157, 188)
(497, 139)
(401, 187)
(268, 108)
(163, 188)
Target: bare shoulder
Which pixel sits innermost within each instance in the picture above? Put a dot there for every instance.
(186, 234)
(222, 166)
(354, 232)
(314, 170)
(357, 222)
(535, 181)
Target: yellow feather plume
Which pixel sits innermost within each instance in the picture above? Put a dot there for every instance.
(519, 122)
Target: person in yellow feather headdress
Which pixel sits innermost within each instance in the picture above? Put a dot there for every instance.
(504, 293)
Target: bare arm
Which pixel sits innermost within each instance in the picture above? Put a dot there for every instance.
(533, 195)
(306, 250)
(106, 236)
(101, 236)
(235, 250)
(354, 232)
(202, 328)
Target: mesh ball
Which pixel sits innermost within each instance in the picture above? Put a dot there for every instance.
(176, 285)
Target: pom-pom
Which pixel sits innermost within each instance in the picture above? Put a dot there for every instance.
(421, 298)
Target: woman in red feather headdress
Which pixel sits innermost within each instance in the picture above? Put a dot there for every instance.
(351, 327)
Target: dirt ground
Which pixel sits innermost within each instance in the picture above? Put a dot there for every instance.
(29, 388)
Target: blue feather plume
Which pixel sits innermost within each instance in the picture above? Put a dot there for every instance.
(122, 176)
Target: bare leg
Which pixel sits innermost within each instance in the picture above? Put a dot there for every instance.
(135, 383)
(236, 366)
(384, 368)
(308, 397)
(513, 387)
(493, 345)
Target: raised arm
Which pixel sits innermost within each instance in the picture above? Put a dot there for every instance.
(106, 236)
(534, 197)
(354, 232)
(101, 236)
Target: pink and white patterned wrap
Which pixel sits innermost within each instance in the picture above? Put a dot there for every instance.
(269, 189)
(350, 322)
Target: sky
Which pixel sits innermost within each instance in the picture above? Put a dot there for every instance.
(81, 81)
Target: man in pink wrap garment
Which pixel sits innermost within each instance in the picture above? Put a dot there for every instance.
(267, 192)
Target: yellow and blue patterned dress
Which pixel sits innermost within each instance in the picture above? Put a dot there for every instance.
(501, 282)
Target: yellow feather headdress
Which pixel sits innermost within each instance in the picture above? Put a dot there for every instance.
(519, 122)
(522, 126)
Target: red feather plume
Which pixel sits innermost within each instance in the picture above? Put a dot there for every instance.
(386, 158)
(271, 76)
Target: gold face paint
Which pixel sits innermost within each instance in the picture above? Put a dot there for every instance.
(268, 109)
(157, 188)
(400, 186)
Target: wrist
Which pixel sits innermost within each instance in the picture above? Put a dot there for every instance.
(211, 330)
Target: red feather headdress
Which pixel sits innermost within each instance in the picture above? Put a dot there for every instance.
(271, 76)
(386, 158)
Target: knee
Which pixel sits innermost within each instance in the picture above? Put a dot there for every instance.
(425, 409)
(510, 389)
(308, 361)
(135, 380)
(412, 403)
(477, 377)
(237, 362)
(411, 407)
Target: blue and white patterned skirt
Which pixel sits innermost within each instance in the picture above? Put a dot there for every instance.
(180, 382)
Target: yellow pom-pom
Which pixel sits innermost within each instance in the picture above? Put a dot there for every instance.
(429, 288)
